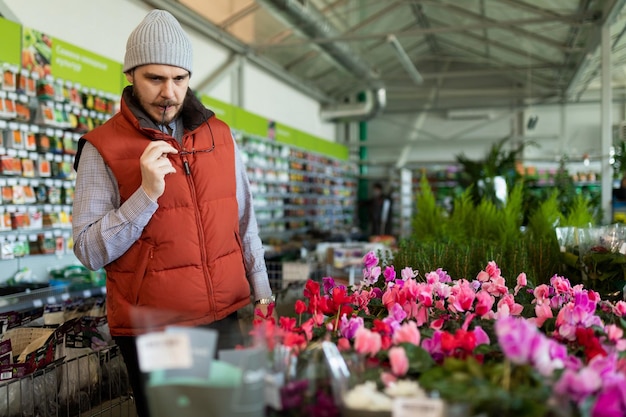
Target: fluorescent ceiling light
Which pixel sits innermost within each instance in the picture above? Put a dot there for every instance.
(405, 60)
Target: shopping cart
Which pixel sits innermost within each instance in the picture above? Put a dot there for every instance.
(93, 384)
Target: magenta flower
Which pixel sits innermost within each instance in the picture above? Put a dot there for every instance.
(611, 401)
(516, 337)
(328, 284)
(433, 346)
(389, 273)
(578, 385)
(349, 327)
(395, 317)
(370, 260)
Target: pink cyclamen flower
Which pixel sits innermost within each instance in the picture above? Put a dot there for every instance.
(484, 302)
(343, 344)
(482, 338)
(367, 342)
(616, 335)
(578, 385)
(521, 282)
(462, 296)
(407, 333)
(543, 313)
(620, 309)
(514, 308)
(398, 361)
(492, 269)
(407, 273)
(516, 337)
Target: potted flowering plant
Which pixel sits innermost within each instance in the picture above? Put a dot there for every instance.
(485, 345)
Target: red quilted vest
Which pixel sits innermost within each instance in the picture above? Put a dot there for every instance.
(187, 267)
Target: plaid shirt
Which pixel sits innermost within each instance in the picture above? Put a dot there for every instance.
(104, 230)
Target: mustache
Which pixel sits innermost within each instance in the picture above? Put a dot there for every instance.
(167, 104)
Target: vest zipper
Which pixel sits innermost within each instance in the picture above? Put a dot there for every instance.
(203, 248)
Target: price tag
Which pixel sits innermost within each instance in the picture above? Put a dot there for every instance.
(87, 293)
(65, 296)
(37, 303)
(51, 300)
(423, 407)
(159, 351)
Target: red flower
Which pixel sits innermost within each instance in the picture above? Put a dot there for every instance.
(460, 345)
(311, 289)
(587, 339)
(300, 307)
(287, 323)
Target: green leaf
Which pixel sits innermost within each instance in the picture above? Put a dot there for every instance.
(419, 359)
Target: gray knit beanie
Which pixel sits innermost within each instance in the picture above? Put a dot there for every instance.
(159, 39)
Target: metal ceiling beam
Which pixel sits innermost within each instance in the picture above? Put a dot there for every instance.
(513, 28)
(514, 77)
(203, 26)
(539, 10)
(508, 48)
(409, 32)
(312, 23)
(610, 11)
(500, 70)
(235, 17)
(477, 93)
(303, 59)
(308, 56)
(423, 22)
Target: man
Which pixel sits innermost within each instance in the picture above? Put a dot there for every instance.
(162, 202)
(380, 211)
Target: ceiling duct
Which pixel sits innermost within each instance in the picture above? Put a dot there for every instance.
(373, 103)
(311, 23)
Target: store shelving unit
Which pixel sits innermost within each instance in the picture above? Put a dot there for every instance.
(41, 121)
(296, 190)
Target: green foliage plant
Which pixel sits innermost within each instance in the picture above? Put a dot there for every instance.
(474, 233)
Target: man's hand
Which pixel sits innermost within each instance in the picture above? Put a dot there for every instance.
(265, 312)
(155, 165)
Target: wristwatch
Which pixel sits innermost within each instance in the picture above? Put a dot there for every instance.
(265, 301)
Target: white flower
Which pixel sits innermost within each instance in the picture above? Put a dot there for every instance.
(366, 397)
(404, 388)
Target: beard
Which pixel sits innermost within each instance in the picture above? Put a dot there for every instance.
(160, 111)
